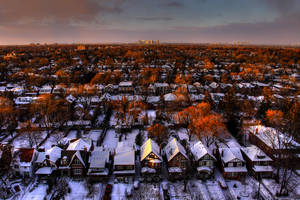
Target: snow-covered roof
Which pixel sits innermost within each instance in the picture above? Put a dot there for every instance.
(80, 144)
(148, 147)
(41, 156)
(175, 170)
(44, 171)
(125, 154)
(262, 168)
(270, 137)
(148, 170)
(170, 97)
(199, 150)
(98, 158)
(125, 84)
(213, 85)
(229, 154)
(173, 148)
(255, 154)
(161, 84)
(125, 158)
(54, 153)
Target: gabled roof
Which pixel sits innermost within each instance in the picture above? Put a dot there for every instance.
(80, 144)
(230, 154)
(170, 97)
(199, 150)
(148, 147)
(78, 155)
(173, 148)
(54, 153)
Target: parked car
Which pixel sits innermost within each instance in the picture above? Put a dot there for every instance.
(108, 189)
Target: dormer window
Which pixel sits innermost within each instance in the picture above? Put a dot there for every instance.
(64, 160)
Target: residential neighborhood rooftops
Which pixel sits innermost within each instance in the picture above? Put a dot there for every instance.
(80, 144)
(229, 154)
(148, 147)
(199, 150)
(173, 148)
(255, 154)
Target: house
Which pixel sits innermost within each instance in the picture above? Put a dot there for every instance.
(126, 87)
(177, 159)
(151, 159)
(74, 160)
(98, 164)
(203, 160)
(47, 162)
(124, 162)
(258, 163)
(73, 163)
(275, 143)
(232, 162)
(23, 161)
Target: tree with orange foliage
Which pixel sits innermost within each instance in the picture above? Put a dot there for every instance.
(158, 132)
(182, 79)
(199, 120)
(50, 111)
(209, 127)
(7, 114)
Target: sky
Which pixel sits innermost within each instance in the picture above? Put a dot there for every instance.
(180, 21)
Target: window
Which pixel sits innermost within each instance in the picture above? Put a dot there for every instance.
(76, 161)
(239, 164)
(77, 171)
(230, 164)
(182, 164)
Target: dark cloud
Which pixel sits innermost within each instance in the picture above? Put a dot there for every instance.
(55, 11)
(175, 4)
(155, 18)
(283, 6)
(25, 21)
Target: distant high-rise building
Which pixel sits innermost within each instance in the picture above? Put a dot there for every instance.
(143, 42)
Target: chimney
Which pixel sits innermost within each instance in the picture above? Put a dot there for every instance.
(222, 153)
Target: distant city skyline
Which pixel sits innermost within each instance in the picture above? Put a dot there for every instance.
(122, 21)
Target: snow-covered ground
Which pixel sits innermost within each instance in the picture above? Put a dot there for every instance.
(94, 134)
(119, 191)
(78, 190)
(36, 194)
(147, 191)
(244, 191)
(176, 191)
(111, 139)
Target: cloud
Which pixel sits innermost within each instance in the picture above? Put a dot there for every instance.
(283, 6)
(155, 18)
(55, 11)
(175, 4)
